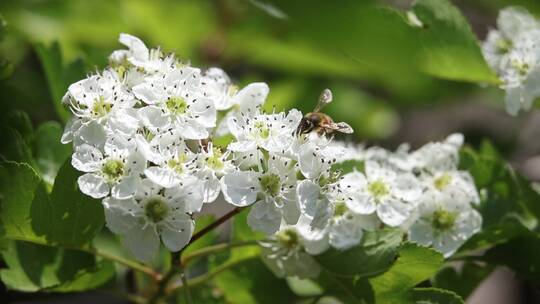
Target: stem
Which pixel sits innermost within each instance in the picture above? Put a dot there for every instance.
(215, 249)
(128, 263)
(215, 224)
(207, 276)
(187, 294)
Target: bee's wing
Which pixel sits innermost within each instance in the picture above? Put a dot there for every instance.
(324, 99)
(342, 127)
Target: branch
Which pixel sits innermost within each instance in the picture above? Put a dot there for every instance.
(215, 224)
(207, 276)
(215, 249)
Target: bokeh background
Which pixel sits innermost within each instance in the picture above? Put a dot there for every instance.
(360, 51)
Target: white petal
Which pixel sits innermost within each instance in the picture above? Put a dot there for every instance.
(146, 93)
(308, 195)
(153, 119)
(126, 188)
(119, 214)
(163, 176)
(252, 95)
(242, 146)
(189, 196)
(72, 127)
(345, 233)
(135, 45)
(86, 158)
(393, 212)
(265, 217)
(177, 233)
(211, 186)
(124, 121)
(361, 203)
(240, 188)
(143, 243)
(291, 209)
(91, 133)
(205, 110)
(93, 185)
(191, 129)
(407, 187)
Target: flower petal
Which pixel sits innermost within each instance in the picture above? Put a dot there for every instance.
(93, 185)
(142, 242)
(240, 188)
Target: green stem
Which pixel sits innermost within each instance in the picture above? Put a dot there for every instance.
(187, 293)
(215, 249)
(207, 276)
(128, 263)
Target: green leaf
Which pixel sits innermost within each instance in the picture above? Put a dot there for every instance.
(521, 255)
(435, 296)
(450, 49)
(34, 267)
(49, 152)
(59, 76)
(18, 136)
(374, 255)
(347, 290)
(414, 265)
(101, 273)
(72, 218)
(509, 205)
(251, 282)
(464, 280)
(20, 188)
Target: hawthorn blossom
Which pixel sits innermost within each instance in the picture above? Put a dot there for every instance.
(154, 213)
(116, 170)
(445, 221)
(271, 191)
(175, 103)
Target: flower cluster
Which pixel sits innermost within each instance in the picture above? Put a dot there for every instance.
(513, 52)
(143, 132)
(420, 192)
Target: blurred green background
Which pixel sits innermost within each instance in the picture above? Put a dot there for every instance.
(385, 83)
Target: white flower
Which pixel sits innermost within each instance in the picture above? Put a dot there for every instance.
(438, 156)
(454, 181)
(117, 171)
(272, 132)
(272, 191)
(327, 220)
(286, 256)
(445, 221)
(392, 196)
(175, 103)
(153, 213)
(513, 51)
(217, 86)
(137, 54)
(213, 164)
(102, 99)
(174, 161)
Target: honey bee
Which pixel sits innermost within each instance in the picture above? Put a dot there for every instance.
(321, 123)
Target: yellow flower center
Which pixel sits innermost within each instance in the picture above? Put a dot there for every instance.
(177, 105)
(113, 169)
(270, 184)
(378, 189)
(101, 107)
(156, 210)
(443, 220)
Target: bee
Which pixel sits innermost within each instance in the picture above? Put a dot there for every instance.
(321, 123)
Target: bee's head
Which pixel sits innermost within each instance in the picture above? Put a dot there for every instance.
(305, 126)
